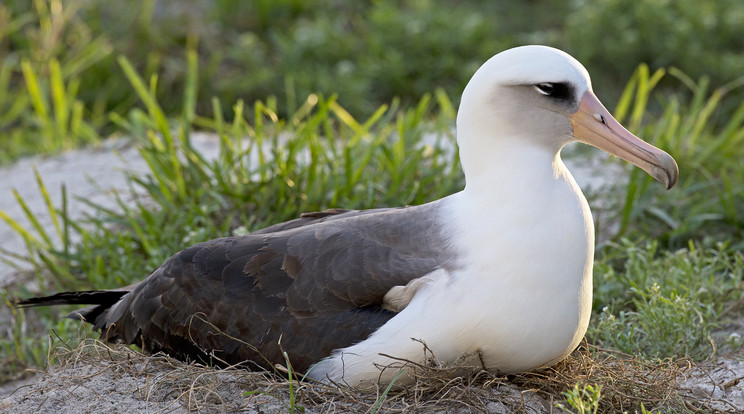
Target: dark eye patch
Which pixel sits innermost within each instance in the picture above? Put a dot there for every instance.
(555, 90)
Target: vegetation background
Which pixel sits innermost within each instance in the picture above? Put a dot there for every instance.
(358, 85)
(367, 52)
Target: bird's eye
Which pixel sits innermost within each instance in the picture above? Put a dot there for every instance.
(545, 88)
(555, 90)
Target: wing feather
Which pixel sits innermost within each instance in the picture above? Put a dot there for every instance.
(316, 282)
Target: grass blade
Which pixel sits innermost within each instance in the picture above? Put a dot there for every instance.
(384, 394)
(32, 218)
(34, 91)
(59, 100)
(48, 202)
(191, 86)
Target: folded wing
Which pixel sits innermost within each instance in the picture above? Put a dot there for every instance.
(315, 283)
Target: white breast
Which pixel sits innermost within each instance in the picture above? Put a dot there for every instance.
(525, 289)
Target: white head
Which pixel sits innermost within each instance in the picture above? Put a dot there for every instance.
(541, 97)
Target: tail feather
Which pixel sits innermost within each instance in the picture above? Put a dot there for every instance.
(86, 297)
(101, 301)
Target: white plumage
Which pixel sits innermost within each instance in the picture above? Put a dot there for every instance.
(522, 290)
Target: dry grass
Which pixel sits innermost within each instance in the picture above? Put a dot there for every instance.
(169, 385)
(626, 381)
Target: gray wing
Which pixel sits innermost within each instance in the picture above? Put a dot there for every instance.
(317, 283)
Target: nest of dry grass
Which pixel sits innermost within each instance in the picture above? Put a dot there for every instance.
(169, 385)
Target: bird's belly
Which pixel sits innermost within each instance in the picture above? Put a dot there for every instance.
(512, 331)
(532, 334)
(522, 308)
(522, 323)
(524, 297)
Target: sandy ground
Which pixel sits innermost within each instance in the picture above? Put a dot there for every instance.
(98, 386)
(119, 380)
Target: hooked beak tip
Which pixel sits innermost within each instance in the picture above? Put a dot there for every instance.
(666, 171)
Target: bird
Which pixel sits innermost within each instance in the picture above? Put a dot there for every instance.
(502, 268)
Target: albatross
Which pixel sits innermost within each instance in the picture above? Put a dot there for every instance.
(502, 268)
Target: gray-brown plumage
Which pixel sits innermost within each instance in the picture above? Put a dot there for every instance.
(316, 282)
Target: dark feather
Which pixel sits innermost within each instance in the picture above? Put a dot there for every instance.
(316, 282)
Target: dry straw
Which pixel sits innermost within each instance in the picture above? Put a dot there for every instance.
(626, 383)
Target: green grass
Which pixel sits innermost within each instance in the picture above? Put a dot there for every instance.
(667, 295)
(40, 80)
(665, 303)
(60, 77)
(582, 400)
(708, 200)
(261, 177)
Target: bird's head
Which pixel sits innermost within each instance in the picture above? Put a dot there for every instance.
(538, 95)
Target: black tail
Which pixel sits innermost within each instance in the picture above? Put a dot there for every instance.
(101, 299)
(86, 297)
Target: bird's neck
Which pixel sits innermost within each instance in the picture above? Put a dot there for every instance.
(519, 189)
(521, 205)
(512, 167)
